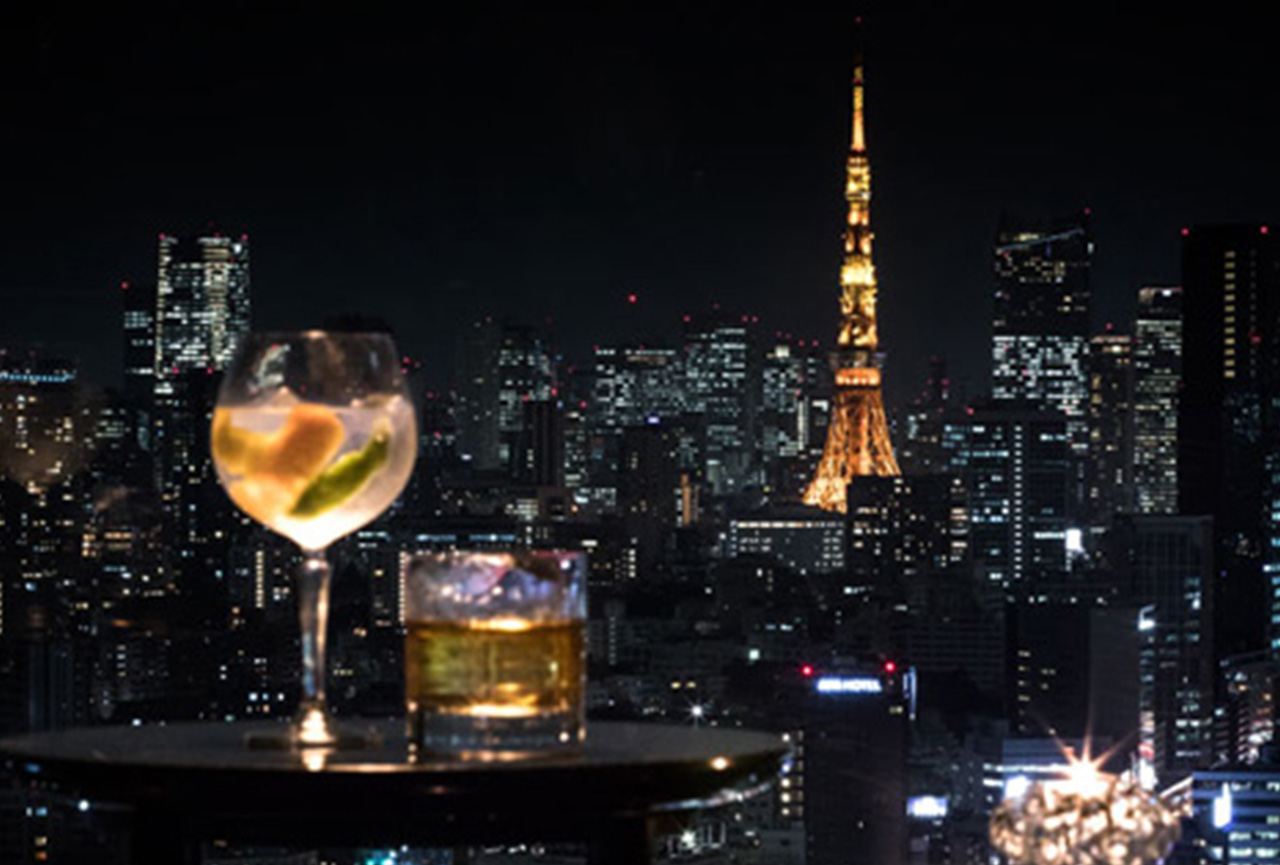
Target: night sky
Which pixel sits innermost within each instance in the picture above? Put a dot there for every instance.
(429, 170)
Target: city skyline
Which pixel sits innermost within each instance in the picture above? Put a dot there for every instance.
(552, 166)
(1081, 550)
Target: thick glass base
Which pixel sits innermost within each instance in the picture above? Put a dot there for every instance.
(499, 738)
(312, 729)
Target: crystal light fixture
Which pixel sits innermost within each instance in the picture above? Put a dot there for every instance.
(1087, 818)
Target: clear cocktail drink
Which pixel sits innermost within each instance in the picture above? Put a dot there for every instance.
(311, 472)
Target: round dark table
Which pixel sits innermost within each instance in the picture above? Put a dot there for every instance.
(190, 783)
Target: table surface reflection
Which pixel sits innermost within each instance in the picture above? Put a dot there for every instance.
(201, 781)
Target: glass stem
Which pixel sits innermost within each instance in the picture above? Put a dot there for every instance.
(313, 617)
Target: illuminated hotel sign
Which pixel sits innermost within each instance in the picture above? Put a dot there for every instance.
(927, 807)
(848, 685)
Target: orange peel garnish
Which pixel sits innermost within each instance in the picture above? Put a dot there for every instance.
(274, 468)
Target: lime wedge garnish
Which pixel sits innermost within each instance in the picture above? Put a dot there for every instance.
(342, 480)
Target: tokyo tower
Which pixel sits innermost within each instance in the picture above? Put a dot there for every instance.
(858, 435)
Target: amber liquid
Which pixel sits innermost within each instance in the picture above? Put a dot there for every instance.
(508, 685)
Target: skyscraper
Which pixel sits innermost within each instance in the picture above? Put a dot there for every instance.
(787, 390)
(722, 367)
(202, 312)
(1015, 463)
(525, 372)
(1228, 417)
(40, 454)
(501, 366)
(139, 342)
(633, 384)
(853, 720)
(1166, 563)
(920, 440)
(1157, 376)
(1110, 422)
(38, 412)
(202, 304)
(1041, 326)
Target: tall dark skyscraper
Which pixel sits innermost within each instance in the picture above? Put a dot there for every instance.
(1109, 473)
(1165, 564)
(854, 720)
(501, 366)
(139, 341)
(920, 442)
(1041, 323)
(1157, 378)
(1229, 417)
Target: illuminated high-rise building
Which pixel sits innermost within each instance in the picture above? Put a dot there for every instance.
(920, 439)
(1041, 326)
(1229, 419)
(1157, 376)
(202, 313)
(635, 384)
(38, 414)
(1016, 465)
(858, 433)
(202, 305)
(722, 384)
(40, 453)
(525, 371)
(501, 366)
(1244, 723)
(783, 418)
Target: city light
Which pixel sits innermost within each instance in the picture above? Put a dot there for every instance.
(1023, 541)
(848, 685)
(927, 807)
(1223, 810)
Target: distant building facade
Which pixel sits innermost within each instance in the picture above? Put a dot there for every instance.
(1157, 377)
(1041, 324)
(1016, 465)
(1229, 419)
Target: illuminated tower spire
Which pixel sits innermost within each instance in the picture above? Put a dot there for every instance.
(858, 435)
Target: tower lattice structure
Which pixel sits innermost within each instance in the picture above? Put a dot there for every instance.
(858, 435)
